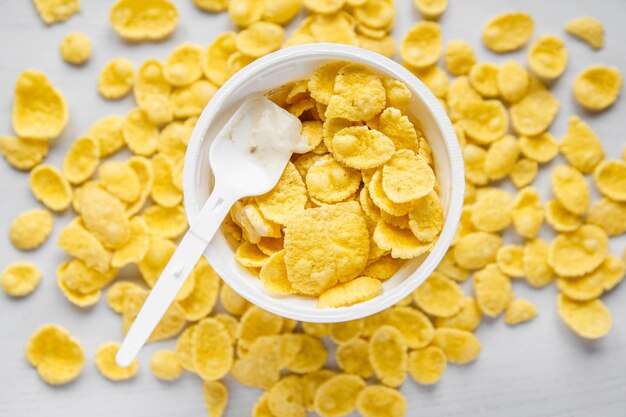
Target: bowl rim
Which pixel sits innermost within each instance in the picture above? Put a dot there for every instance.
(450, 142)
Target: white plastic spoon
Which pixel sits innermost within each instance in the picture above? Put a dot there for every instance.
(247, 157)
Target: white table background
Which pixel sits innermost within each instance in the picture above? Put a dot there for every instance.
(536, 369)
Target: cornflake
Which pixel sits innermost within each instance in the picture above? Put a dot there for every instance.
(75, 48)
(548, 57)
(519, 311)
(493, 290)
(20, 279)
(57, 356)
(380, 401)
(141, 20)
(581, 147)
(597, 87)
(422, 45)
(588, 30)
(508, 32)
(427, 365)
(589, 319)
(116, 79)
(578, 252)
(108, 368)
(22, 153)
(459, 346)
(610, 178)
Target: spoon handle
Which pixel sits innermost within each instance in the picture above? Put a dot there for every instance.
(180, 265)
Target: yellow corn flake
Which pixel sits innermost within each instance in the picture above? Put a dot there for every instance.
(164, 365)
(493, 210)
(571, 189)
(510, 260)
(381, 199)
(260, 39)
(528, 213)
(281, 12)
(108, 368)
(588, 30)
(215, 396)
(20, 279)
(215, 61)
(431, 9)
(286, 397)
(75, 48)
(592, 285)
(401, 242)
(519, 311)
(398, 94)
(589, 319)
(170, 325)
(542, 148)
(308, 353)
(513, 81)
(524, 172)
(361, 148)
(116, 293)
(416, 327)
(483, 77)
(57, 356)
(141, 20)
(427, 365)
(75, 297)
(81, 160)
(183, 65)
(493, 290)
(145, 173)
(597, 87)
(108, 133)
(23, 153)
(380, 401)
(460, 346)
(245, 12)
(261, 366)
(337, 234)
(578, 252)
(561, 219)
(136, 247)
(202, 297)
(322, 82)
(385, 46)
(608, 215)
(337, 395)
(150, 82)
(399, 129)
(140, 133)
(165, 222)
(353, 358)
(30, 229)
(422, 45)
(233, 302)
(532, 115)
(119, 179)
(382, 268)
(255, 323)
(610, 178)
(173, 138)
(287, 199)
(477, 249)
(158, 254)
(54, 11)
(508, 31)
(346, 332)
(548, 57)
(184, 345)
(450, 268)
(75, 240)
(501, 157)
(105, 217)
(164, 191)
(39, 109)
(537, 269)
(77, 276)
(324, 6)
(250, 255)
(407, 177)
(356, 291)
(358, 94)
(485, 121)
(439, 296)
(468, 318)
(475, 157)
(581, 147)
(459, 57)
(116, 79)
(388, 355)
(274, 274)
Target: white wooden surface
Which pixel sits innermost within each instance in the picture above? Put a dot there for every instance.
(537, 369)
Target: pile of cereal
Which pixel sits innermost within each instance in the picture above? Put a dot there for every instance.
(345, 214)
(130, 212)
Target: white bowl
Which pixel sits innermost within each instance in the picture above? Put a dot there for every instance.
(295, 63)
